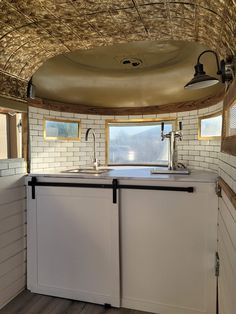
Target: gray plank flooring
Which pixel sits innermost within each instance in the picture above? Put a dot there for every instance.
(32, 303)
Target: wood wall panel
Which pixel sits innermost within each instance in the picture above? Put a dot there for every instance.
(227, 249)
(12, 237)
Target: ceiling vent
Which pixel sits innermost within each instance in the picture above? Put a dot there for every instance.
(131, 62)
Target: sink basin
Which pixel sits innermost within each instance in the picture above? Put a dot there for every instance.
(167, 171)
(93, 171)
(87, 170)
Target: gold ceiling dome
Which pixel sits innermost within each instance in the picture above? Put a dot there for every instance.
(131, 76)
(33, 31)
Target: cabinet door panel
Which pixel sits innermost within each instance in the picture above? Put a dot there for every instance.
(77, 244)
(168, 245)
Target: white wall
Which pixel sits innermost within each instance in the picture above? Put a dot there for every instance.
(58, 155)
(12, 229)
(227, 237)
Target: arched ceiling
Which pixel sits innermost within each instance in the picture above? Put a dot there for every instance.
(105, 76)
(32, 31)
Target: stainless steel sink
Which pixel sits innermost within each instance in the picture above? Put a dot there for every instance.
(167, 171)
(88, 170)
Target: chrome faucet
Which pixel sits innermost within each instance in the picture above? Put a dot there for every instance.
(95, 160)
(172, 136)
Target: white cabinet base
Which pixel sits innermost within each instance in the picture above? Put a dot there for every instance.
(167, 241)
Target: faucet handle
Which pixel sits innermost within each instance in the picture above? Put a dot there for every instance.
(162, 131)
(180, 125)
(162, 126)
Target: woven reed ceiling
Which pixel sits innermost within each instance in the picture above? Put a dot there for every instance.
(31, 31)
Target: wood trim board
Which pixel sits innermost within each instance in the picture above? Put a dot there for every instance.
(155, 109)
(228, 191)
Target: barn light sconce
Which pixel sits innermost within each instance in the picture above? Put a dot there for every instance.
(225, 70)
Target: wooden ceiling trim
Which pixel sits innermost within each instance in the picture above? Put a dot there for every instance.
(158, 109)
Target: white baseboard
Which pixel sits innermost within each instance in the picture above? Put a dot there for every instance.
(158, 308)
(83, 296)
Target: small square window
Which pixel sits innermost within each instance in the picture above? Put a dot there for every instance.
(210, 127)
(232, 120)
(57, 129)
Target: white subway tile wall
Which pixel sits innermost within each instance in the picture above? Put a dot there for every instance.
(11, 167)
(198, 154)
(48, 155)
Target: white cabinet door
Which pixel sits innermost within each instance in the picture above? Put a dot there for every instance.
(168, 243)
(73, 244)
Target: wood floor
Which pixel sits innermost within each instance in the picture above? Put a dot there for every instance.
(32, 303)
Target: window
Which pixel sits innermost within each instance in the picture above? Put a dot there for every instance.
(10, 134)
(55, 129)
(3, 137)
(137, 142)
(228, 144)
(210, 127)
(231, 130)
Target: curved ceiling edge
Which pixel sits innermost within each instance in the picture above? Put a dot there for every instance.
(159, 109)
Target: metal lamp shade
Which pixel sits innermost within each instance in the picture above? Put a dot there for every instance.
(201, 79)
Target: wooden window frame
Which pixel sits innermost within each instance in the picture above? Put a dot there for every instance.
(123, 121)
(207, 138)
(58, 138)
(6, 116)
(26, 140)
(228, 143)
(12, 134)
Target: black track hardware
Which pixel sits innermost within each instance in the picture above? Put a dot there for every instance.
(114, 186)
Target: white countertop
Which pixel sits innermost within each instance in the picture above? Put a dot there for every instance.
(135, 174)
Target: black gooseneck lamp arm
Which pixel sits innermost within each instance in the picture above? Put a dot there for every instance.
(219, 72)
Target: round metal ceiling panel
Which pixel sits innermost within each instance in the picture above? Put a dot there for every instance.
(139, 74)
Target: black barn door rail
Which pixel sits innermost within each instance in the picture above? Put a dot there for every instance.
(114, 186)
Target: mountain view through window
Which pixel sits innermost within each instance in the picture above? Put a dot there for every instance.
(137, 143)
